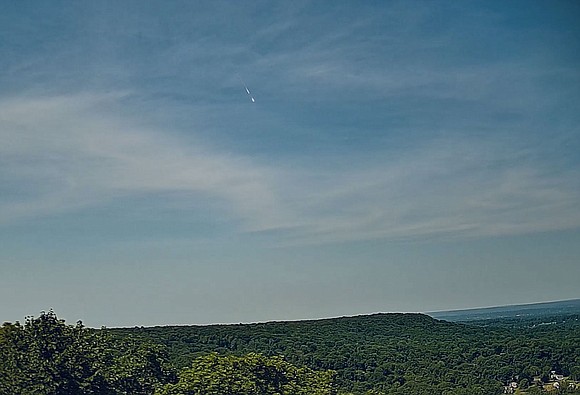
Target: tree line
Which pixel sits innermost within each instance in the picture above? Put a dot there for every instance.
(376, 354)
(45, 356)
(394, 353)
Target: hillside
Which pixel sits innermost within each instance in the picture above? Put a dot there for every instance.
(391, 353)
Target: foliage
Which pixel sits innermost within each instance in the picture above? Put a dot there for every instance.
(252, 374)
(379, 354)
(391, 353)
(47, 356)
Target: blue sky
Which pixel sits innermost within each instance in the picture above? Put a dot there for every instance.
(399, 156)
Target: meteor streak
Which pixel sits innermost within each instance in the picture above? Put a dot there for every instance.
(247, 90)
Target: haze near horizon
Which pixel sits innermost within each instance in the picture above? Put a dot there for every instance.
(221, 162)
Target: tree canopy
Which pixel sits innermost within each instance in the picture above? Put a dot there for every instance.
(251, 374)
(47, 356)
(393, 353)
(379, 354)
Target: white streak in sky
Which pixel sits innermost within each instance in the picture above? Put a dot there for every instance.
(248, 91)
(65, 153)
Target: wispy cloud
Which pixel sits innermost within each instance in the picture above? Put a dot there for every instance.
(447, 188)
(469, 156)
(132, 159)
(72, 152)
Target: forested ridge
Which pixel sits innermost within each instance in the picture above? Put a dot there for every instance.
(373, 354)
(394, 353)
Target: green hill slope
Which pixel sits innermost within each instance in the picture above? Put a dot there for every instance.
(390, 353)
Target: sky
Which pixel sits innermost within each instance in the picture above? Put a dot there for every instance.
(399, 156)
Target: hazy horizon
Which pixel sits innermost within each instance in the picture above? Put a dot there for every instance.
(175, 162)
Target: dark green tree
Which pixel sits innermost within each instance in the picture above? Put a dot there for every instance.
(575, 373)
(46, 356)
